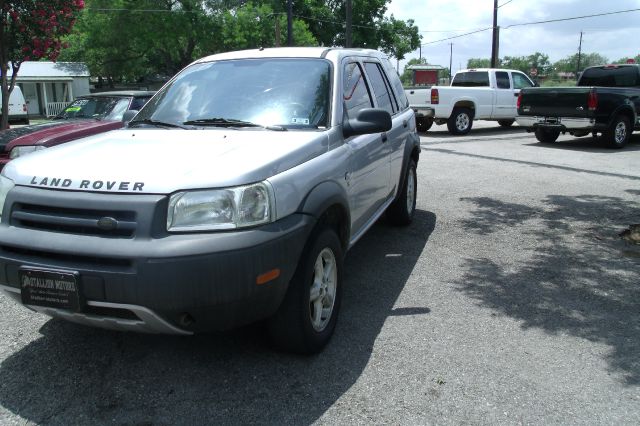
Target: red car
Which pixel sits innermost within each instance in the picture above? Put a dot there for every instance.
(85, 116)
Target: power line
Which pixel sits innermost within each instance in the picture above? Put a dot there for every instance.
(504, 4)
(573, 18)
(536, 23)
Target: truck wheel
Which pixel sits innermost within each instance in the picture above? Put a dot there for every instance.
(546, 135)
(618, 134)
(460, 121)
(401, 211)
(423, 124)
(305, 321)
(505, 123)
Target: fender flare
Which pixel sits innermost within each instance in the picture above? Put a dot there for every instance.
(324, 197)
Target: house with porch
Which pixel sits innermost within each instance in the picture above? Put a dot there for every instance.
(49, 86)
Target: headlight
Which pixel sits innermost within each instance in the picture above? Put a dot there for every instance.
(6, 185)
(214, 209)
(19, 151)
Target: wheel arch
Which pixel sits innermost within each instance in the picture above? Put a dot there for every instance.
(328, 203)
(625, 110)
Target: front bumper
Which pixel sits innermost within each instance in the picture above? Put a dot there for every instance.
(154, 281)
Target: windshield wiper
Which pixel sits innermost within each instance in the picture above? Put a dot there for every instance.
(155, 123)
(229, 122)
(222, 122)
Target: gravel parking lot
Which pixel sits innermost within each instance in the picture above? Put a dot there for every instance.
(510, 300)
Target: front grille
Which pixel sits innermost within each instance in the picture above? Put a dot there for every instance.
(104, 223)
(71, 259)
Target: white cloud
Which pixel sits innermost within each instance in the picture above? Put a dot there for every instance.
(613, 36)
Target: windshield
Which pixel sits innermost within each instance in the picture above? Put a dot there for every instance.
(290, 93)
(102, 108)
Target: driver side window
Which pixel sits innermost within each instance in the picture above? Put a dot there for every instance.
(355, 93)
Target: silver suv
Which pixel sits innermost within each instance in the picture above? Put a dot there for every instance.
(231, 197)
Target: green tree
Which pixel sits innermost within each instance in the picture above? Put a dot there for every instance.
(398, 37)
(626, 58)
(570, 63)
(479, 63)
(30, 30)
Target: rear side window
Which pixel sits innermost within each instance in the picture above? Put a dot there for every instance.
(619, 76)
(354, 90)
(394, 78)
(379, 87)
(471, 79)
(502, 80)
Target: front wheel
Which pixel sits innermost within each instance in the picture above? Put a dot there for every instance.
(460, 121)
(305, 321)
(618, 134)
(401, 211)
(546, 135)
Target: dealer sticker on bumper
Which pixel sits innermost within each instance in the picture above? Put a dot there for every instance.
(55, 289)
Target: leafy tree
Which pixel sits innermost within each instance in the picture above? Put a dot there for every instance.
(570, 63)
(626, 58)
(398, 37)
(30, 30)
(538, 60)
(479, 63)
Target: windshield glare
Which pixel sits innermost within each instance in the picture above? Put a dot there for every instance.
(292, 93)
(103, 108)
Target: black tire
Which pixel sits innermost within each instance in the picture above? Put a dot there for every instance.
(618, 134)
(292, 328)
(460, 122)
(505, 123)
(423, 124)
(546, 135)
(401, 211)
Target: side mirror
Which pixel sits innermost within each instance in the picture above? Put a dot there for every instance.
(368, 120)
(128, 115)
(536, 84)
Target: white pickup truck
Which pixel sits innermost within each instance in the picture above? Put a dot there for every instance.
(474, 94)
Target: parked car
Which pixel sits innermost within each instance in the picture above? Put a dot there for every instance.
(17, 107)
(474, 94)
(230, 198)
(606, 101)
(87, 115)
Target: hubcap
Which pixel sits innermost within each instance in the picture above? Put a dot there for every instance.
(621, 132)
(462, 121)
(411, 190)
(323, 289)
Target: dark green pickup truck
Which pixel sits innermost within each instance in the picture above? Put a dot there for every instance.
(606, 100)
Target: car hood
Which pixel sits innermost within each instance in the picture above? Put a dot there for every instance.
(56, 132)
(159, 161)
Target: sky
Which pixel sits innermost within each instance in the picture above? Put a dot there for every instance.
(613, 36)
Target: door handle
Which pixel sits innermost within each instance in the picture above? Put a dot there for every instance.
(404, 123)
(516, 94)
(384, 137)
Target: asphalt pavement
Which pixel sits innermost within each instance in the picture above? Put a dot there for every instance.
(511, 299)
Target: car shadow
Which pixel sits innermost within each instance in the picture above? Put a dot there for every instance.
(581, 279)
(442, 132)
(76, 374)
(590, 144)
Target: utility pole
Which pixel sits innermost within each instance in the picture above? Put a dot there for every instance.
(347, 33)
(420, 57)
(579, 56)
(289, 23)
(494, 41)
(450, 60)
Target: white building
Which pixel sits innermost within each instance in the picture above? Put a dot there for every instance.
(49, 86)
